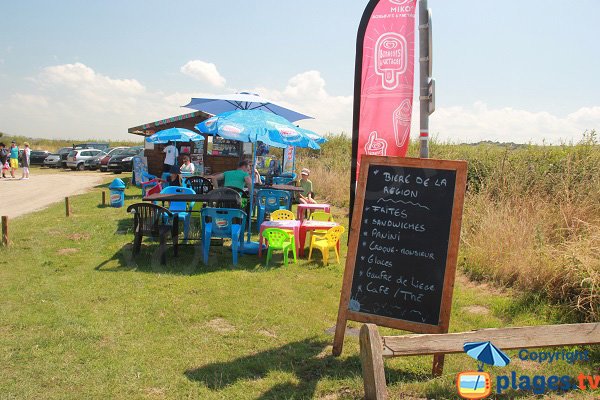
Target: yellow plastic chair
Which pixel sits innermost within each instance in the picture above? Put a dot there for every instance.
(280, 240)
(326, 242)
(282, 215)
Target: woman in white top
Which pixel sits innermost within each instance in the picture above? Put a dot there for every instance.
(187, 168)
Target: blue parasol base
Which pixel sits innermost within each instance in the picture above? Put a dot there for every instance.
(251, 248)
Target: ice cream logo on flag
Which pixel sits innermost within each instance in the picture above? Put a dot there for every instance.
(391, 54)
(399, 2)
(375, 146)
(401, 122)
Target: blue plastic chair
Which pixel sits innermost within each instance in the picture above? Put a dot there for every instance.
(269, 200)
(181, 208)
(223, 223)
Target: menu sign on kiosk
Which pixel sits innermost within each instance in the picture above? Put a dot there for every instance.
(403, 245)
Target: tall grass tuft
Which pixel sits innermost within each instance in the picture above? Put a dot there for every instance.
(531, 218)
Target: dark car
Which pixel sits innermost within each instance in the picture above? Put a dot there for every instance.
(124, 160)
(101, 160)
(98, 146)
(37, 157)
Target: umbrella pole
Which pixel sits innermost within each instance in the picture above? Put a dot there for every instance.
(251, 190)
(251, 247)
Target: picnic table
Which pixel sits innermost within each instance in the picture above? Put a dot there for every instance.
(302, 207)
(292, 225)
(309, 225)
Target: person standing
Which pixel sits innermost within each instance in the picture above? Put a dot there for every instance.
(25, 161)
(4, 159)
(171, 154)
(14, 158)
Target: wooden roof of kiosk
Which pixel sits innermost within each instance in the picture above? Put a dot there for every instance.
(155, 157)
(187, 121)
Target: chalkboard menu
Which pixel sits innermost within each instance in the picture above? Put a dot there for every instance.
(403, 243)
(404, 233)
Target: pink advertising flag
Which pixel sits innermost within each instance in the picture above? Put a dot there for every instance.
(383, 81)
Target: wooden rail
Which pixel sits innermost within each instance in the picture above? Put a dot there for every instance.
(373, 347)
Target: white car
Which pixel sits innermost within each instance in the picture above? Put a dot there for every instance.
(76, 158)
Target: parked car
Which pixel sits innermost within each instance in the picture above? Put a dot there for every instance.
(77, 157)
(37, 157)
(97, 146)
(101, 160)
(54, 160)
(124, 160)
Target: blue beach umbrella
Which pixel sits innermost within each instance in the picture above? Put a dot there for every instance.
(254, 126)
(314, 136)
(486, 353)
(257, 125)
(174, 135)
(243, 101)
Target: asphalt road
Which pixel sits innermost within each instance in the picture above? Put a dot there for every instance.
(19, 197)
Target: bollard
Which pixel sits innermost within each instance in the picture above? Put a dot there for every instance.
(67, 207)
(5, 230)
(103, 198)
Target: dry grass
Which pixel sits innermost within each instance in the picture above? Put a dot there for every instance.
(531, 219)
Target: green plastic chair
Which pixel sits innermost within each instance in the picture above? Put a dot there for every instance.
(280, 240)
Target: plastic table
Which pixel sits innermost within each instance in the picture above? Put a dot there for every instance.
(312, 225)
(292, 225)
(310, 207)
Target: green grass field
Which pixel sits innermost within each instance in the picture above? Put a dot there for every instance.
(80, 317)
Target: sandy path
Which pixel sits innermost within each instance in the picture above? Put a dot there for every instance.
(18, 197)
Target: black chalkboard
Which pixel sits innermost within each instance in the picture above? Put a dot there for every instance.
(403, 243)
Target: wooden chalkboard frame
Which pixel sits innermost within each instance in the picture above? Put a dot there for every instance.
(344, 314)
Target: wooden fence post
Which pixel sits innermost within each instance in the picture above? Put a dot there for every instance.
(67, 207)
(371, 358)
(5, 230)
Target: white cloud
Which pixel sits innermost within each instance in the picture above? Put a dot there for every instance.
(479, 122)
(306, 93)
(74, 101)
(205, 72)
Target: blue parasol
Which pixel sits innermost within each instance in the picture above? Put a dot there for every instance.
(174, 135)
(312, 135)
(242, 101)
(486, 353)
(254, 126)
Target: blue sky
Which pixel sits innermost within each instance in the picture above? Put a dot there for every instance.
(506, 71)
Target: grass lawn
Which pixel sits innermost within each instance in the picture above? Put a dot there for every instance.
(81, 318)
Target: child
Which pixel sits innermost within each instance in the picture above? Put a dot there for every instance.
(174, 178)
(307, 194)
(4, 160)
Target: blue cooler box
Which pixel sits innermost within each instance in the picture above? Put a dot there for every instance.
(117, 193)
